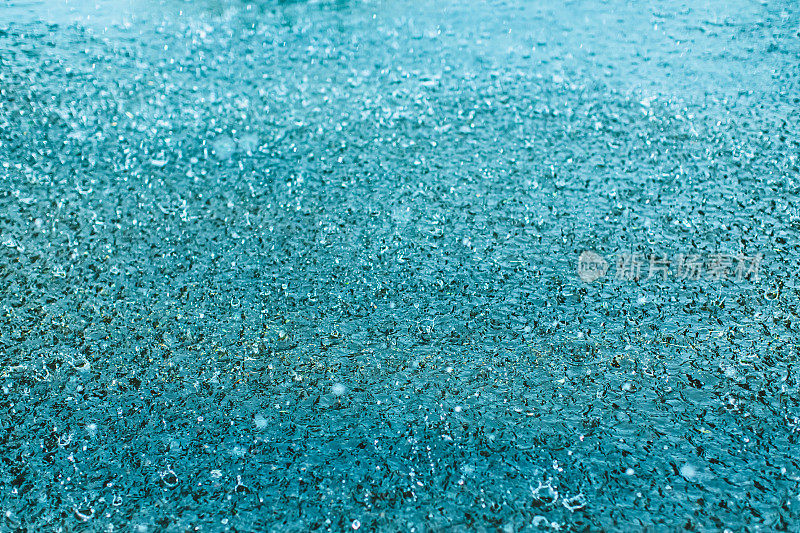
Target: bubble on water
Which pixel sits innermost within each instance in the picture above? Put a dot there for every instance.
(80, 363)
(338, 389)
(260, 421)
(545, 493)
(84, 514)
(574, 503)
(688, 471)
(168, 477)
(629, 471)
(240, 487)
(356, 524)
(64, 439)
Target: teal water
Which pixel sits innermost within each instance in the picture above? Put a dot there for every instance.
(293, 266)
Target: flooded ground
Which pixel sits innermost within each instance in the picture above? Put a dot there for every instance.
(411, 266)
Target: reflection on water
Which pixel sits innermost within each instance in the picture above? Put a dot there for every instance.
(596, 34)
(88, 12)
(103, 13)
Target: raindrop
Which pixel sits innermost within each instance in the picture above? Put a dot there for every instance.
(169, 478)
